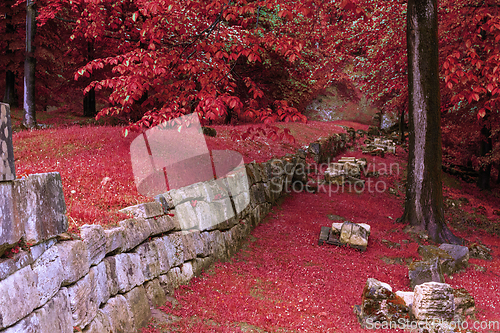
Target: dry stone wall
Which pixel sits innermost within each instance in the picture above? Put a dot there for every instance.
(108, 280)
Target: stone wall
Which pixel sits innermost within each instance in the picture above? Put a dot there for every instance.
(109, 279)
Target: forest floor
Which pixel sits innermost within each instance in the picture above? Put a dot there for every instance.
(281, 280)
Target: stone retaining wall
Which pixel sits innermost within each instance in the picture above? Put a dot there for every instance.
(108, 280)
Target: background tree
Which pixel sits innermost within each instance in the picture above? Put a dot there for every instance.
(424, 194)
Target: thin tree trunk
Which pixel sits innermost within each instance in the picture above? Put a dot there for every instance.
(424, 194)
(89, 108)
(29, 120)
(483, 181)
(10, 88)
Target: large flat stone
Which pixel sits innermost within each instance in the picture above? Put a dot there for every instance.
(144, 210)
(433, 301)
(18, 296)
(114, 239)
(74, 260)
(40, 206)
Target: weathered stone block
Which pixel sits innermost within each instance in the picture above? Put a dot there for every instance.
(199, 264)
(380, 304)
(465, 305)
(175, 248)
(55, 316)
(148, 254)
(50, 272)
(39, 205)
(94, 237)
(114, 239)
(118, 314)
(460, 255)
(104, 286)
(163, 255)
(11, 229)
(155, 293)
(126, 270)
(188, 245)
(18, 296)
(138, 306)
(100, 324)
(161, 224)
(38, 249)
(425, 271)
(354, 235)
(433, 301)
(84, 300)
(166, 201)
(74, 260)
(186, 216)
(144, 210)
(135, 231)
(12, 265)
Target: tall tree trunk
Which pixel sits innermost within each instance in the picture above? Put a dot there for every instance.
(483, 181)
(424, 193)
(29, 120)
(89, 108)
(10, 96)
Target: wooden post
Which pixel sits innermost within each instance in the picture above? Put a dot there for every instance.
(7, 169)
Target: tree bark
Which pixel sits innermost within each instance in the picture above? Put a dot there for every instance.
(10, 96)
(483, 181)
(29, 120)
(89, 107)
(424, 193)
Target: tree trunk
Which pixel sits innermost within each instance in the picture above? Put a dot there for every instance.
(10, 96)
(89, 109)
(483, 181)
(29, 120)
(424, 193)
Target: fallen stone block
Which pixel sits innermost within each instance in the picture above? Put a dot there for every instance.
(465, 305)
(380, 304)
(425, 271)
(460, 255)
(429, 252)
(354, 235)
(479, 251)
(433, 301)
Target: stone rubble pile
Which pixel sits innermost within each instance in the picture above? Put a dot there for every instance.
(347, 169)
(430, 303)
(379, 147)
(446, 259)
(353, 234)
